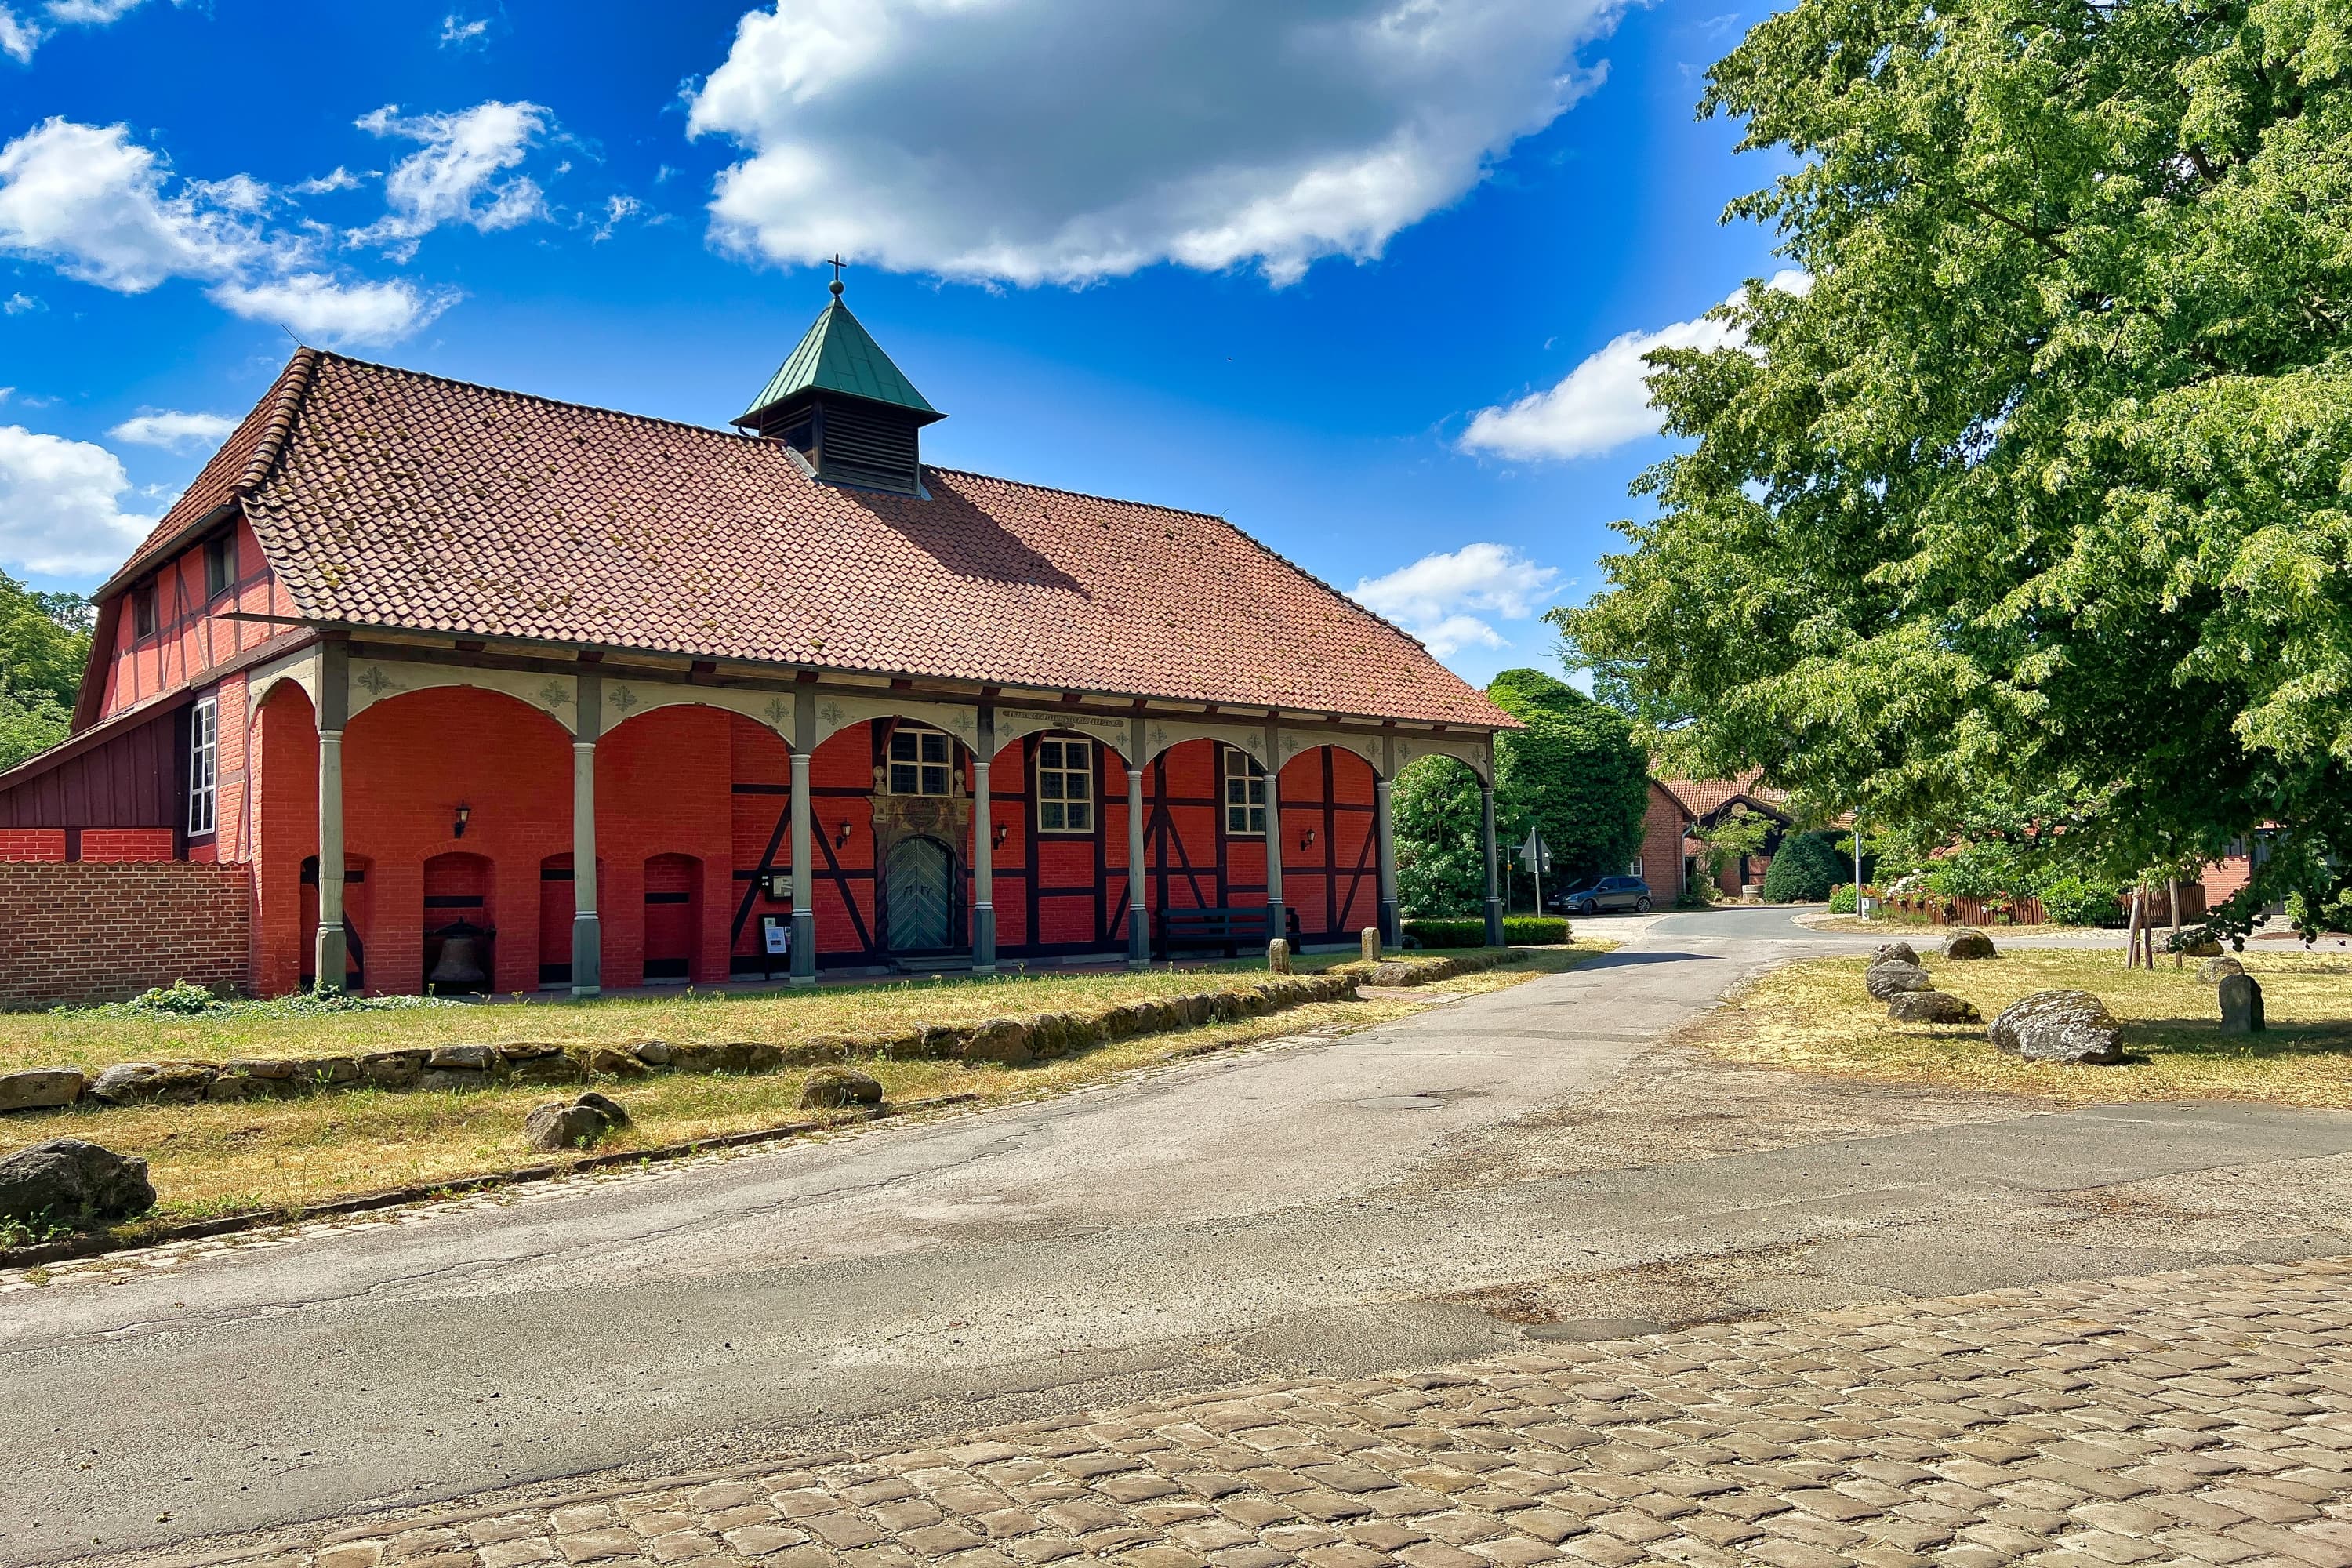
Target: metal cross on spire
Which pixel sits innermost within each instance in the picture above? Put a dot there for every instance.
(837, 263)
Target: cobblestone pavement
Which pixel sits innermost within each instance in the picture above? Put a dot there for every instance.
(2203, 1418)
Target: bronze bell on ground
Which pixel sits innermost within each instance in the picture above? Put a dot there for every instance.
(459, 967)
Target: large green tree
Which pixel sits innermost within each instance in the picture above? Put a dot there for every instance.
(44, 643)
(2045, 485)
(1573, 773)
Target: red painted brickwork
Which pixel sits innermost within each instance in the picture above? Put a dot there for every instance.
(99, 932)
(32, 844)
(126, 844)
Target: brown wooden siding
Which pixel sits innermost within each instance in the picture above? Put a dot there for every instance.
(130, 779)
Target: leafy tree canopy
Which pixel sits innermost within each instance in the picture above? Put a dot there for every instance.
(2045, 483)
(44, 643)
(1574, 774)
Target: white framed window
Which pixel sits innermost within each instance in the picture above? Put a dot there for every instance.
(1066, 786)
(203, 759)
(1244, 795)
(921, 762)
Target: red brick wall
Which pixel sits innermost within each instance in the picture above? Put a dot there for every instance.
(126, 844)
(32, 844)
(1661, 844)
(95, 931)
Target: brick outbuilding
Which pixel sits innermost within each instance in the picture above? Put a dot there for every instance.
(605, 700)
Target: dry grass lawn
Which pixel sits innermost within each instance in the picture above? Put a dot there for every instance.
(1815, 1017)
(98, 1037)
(283, 1156)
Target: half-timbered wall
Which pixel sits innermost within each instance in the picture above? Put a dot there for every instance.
(192, 633)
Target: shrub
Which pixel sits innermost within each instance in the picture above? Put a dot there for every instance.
(1804, 868)
(1532, 930)
(2072, 900)
(1842, 898)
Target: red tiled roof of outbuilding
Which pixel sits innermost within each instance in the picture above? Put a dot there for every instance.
(389, 498)
(1704, 797)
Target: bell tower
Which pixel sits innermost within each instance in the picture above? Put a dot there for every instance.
(839, 402)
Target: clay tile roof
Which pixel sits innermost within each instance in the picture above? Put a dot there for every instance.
(241, 463)
(388, 497)
(1702, 797)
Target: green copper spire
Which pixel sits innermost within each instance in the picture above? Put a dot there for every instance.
(838, 355)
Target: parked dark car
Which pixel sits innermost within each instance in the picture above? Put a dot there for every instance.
(1609, 893)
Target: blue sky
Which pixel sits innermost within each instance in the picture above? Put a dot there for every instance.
(1370, 278)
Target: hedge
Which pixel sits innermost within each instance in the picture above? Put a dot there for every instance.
(1518, 930)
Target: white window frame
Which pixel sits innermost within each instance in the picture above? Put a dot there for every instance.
(1241, 771)
(204, 765)
(921, 769)
(1056, 774)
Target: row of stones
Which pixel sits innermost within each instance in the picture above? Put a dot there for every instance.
(2207, 1421)
(2057, 1026)
(1010, 1041)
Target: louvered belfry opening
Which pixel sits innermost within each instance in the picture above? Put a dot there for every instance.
(841, 402)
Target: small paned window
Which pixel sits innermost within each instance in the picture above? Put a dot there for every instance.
(143, 610)
(1066, 786)
(1244, 794)
(204, 757)
(220, 565)
(920, 763)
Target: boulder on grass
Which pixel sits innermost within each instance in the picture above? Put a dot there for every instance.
(828, 1087)
(2059, 1026)
(2241, 1004)
(1964, 945)
(69, 1182)
(2203, 947)
(41, 1089)
(1931, 1007)
(1888, 978)
(605, 1106)
(578, 1124)
(153, 1083)
(2213, 971)
(1897, 953)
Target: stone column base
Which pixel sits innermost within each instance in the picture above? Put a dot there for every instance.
(331, 959)
(587, 954)
(984, 939)
(1139, 937)
(803, 947)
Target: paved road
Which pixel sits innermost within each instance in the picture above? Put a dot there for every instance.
(2198, 1418)
(1232, 1219)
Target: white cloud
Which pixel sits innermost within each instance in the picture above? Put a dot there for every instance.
(61, 505)
(92, 13)
(317, 308)
(172, 430)
(1210, 134)
(93, 203)
(18, 304)
(454, 178)
(104, 210)
(18, 39)
(1604, 402)
(457, 31)
(1441, 597)
(340, 179)
(618, 210)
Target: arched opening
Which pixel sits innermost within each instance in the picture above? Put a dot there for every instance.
(1440, 839)
(358, 907)
(1330, 849)
(460, 929)
(919, 896)
(673, 916)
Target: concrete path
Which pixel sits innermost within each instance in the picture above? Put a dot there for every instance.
(1234, 1218)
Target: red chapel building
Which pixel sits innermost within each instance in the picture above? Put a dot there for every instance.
(460, 687)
